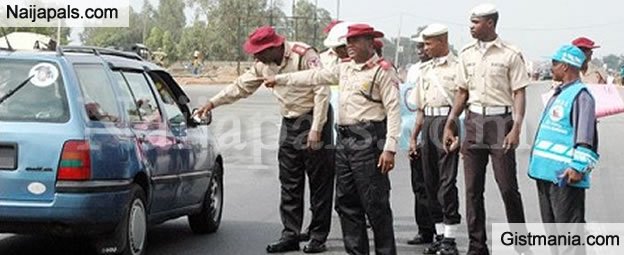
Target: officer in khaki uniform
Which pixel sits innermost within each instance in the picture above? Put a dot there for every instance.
(368, 131)
(305, 112)
(590, 73)
(336, 45)
(434, 92)
(491, 81)
(422, 206)
(334, 55)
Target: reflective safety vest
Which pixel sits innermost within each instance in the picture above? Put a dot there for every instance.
(554, 147)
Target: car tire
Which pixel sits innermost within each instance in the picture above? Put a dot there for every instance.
(209, 218)
(134, 230)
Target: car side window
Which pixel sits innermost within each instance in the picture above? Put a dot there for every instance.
(174, 114)
(99, 98)
(144, 97)
(127, 98)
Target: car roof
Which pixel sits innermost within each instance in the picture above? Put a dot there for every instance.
(81, 54)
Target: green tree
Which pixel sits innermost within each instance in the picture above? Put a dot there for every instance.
(613, 61)
(228, 24)
(119, 37)
(194, 38)
(170, 17)
(147, 19)
(154, 39)
(307, 26)
(168, 44)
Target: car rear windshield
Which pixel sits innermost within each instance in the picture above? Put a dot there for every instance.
(41, 98)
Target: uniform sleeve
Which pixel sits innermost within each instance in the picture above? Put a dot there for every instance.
(390, 99)
(418, 92)
(311, 60)
(584, 119)
(462, 75)
(518, 75)
(318, 76)
(242, 87)
(411, 80)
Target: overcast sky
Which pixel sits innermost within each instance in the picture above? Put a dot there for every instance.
(538, 27)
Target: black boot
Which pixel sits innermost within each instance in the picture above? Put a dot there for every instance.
(435, 246)
(283, 246)
(304, 236)
(315, 247)
(421, 239)
(448, 247)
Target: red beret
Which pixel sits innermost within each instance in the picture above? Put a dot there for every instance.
(262, 38)
(584, 42)
(363, 29)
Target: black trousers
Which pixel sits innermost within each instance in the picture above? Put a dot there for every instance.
(362, 190)
(484, 137)
(422, 206)
(295, 160)
(561, 204)
(440, 173)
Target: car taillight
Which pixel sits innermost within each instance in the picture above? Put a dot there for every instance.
(75, 164)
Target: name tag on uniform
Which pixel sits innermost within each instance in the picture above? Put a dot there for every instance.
(501, 65)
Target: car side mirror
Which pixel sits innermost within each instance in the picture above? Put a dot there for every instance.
(205, 121)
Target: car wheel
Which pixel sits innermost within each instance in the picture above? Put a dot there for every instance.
(134, 231)
(208, 220)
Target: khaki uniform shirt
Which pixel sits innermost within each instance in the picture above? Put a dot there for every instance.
(355, 79)
(329, 58)
(491, 72)
(437, 75)
(293, 101)
(413, 74)
(594, 75)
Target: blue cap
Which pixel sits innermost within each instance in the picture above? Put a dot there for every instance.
(571, 55)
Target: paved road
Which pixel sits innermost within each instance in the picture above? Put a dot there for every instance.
(248, 133)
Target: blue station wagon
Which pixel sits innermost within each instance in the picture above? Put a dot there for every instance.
(99, 143)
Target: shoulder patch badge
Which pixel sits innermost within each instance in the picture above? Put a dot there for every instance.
(385, 64)
(300, 49)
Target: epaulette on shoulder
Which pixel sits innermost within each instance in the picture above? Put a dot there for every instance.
(300, 49)
(385, 64)
(468, 46)
(511, 47)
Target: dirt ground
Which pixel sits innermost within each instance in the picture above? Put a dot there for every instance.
(218, 72)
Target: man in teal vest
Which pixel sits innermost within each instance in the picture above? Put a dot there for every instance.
(565, 148)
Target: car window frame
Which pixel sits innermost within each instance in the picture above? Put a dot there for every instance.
(151, 90)
(180, 98)
(171, 93)
(126, 86)
(120, 115)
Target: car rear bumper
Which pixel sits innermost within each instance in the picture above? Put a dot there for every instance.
(69, 213)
